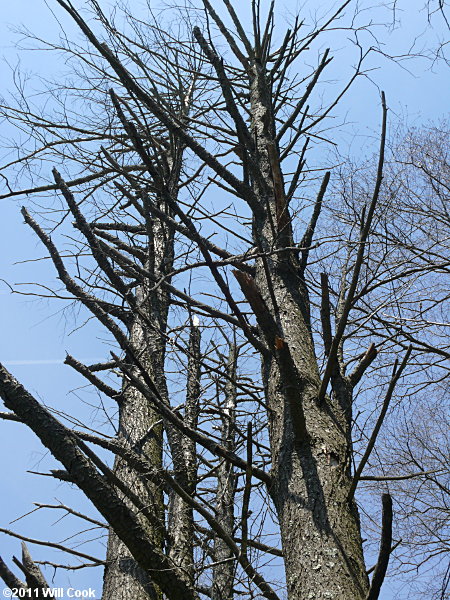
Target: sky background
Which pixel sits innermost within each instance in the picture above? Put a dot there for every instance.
(34, 333)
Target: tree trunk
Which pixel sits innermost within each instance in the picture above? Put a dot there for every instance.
(224, 569)
(319, 528)
(184, 455)
(141, 427)
(310, 441)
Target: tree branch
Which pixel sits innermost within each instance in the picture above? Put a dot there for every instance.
(370, 445)
(385, 549)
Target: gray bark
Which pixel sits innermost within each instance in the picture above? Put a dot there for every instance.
(181, 518)
(310, 441)
(140, 426)
(224, 569)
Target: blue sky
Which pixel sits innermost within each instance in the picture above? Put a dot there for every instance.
(35, 337)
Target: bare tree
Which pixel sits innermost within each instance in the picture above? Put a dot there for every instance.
(412, 458)
(244, 335)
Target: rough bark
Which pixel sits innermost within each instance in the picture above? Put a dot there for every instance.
(141, 427)
(223, 571)
(181, 518)
(309, 440)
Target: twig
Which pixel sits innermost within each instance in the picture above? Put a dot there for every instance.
(365, 229)
(395, 377)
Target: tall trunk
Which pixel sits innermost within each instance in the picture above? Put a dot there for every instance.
(323, 551)
(310, 441)
(141, 428)
(181, 518)
(223, 570)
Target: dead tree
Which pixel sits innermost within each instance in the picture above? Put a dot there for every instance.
(266, 342)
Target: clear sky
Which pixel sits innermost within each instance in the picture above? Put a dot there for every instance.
(34, 336)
